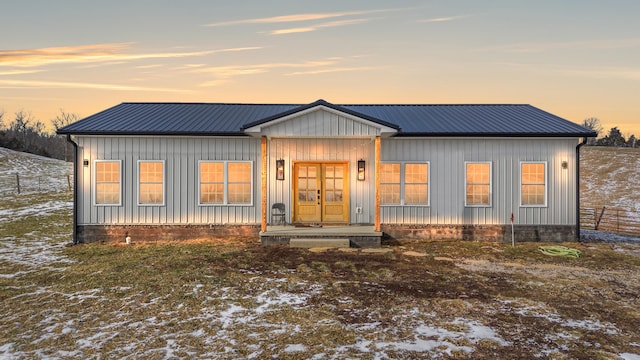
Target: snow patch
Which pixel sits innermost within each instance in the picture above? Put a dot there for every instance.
(629, 356)
(295, 348)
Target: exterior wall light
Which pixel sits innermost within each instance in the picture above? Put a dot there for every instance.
(361, 169)
(280, 169)
(565, 165)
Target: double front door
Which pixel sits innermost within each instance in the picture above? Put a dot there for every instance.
(321, 192)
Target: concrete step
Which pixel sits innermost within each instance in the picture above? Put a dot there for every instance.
(319, 242)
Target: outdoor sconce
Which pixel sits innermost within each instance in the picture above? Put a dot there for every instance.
(280, 169)
(361, 168)
(85, 162)
(565, 165)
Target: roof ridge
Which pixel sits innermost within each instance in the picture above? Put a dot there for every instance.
(318, 102)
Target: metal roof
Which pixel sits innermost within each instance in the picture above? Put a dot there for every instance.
(409, 120)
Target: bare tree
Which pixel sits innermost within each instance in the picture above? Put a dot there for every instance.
(594, 124)
(63, 119)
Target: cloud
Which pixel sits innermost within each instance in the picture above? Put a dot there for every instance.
(332, 70)
(224, 74)
(299, 17)
(78, 85)
(18, 72)
(603, 44)
(236, 70)
(95, 53)
(444, 19)
(318, 26)
(623, 73)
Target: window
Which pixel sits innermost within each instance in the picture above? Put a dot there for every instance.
(416, 184)
(226, 183)
(239, 183)
(404, 184)
(478, 184)
(390, 184)
(533, 184)
(107, 182)
(211, 183)
(151, 183)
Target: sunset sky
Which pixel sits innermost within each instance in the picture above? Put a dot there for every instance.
(574, 58)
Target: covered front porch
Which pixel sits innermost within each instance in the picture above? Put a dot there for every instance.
(320, 168)
(361, 236)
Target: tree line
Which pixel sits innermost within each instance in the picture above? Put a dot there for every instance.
(613, 138)
(27, 134)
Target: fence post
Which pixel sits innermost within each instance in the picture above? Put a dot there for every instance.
(18, 182)
(601, 215)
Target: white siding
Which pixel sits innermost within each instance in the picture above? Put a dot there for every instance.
(321, 123)
(323, 149)
(447, 158)
(181, 156)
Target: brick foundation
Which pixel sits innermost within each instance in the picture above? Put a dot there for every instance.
(102, 233)
(500, 233)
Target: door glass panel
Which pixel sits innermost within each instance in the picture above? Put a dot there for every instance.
(307, 183)
(329, 171)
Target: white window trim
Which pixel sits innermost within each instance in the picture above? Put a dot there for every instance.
(226, 182)
(490, 184)
(164, 182)
(402, 182)
(95, 182)
(546, 184)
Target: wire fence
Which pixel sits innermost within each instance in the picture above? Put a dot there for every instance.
(614, 220)
(18, 184)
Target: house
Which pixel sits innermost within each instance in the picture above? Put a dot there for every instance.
(185, 170)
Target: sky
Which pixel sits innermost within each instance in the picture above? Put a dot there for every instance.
(574, 58)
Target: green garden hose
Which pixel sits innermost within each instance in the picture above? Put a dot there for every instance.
(559, 251)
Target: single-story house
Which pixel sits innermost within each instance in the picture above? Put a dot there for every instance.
(184, 170)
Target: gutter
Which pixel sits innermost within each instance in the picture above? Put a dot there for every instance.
(75, 189)
(584, 141)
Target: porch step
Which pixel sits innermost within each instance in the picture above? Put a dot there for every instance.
(319, 242)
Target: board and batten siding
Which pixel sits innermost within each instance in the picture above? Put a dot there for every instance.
(181, 156)
(361, 194)
(447, 159)
(321, 123)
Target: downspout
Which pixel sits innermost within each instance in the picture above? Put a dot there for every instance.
(584, 141)
(75, 189)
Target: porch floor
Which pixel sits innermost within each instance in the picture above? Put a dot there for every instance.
(358, 235)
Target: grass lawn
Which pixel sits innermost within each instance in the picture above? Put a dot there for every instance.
(231, 298)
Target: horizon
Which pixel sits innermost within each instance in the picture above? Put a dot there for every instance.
(574, 59)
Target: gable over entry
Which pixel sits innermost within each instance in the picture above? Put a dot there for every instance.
(321, 145)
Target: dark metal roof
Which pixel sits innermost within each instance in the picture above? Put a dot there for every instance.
(409, 120)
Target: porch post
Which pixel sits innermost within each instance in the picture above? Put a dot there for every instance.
(376, 209)
(263, 225)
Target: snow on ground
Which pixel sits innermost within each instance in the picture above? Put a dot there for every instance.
(610, 177)
(595, 235)
(228, 320)
(36, 173)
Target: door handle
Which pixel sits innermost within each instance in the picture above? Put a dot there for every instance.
(318, 197)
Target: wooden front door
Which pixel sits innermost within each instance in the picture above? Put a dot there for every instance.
(322, 194)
